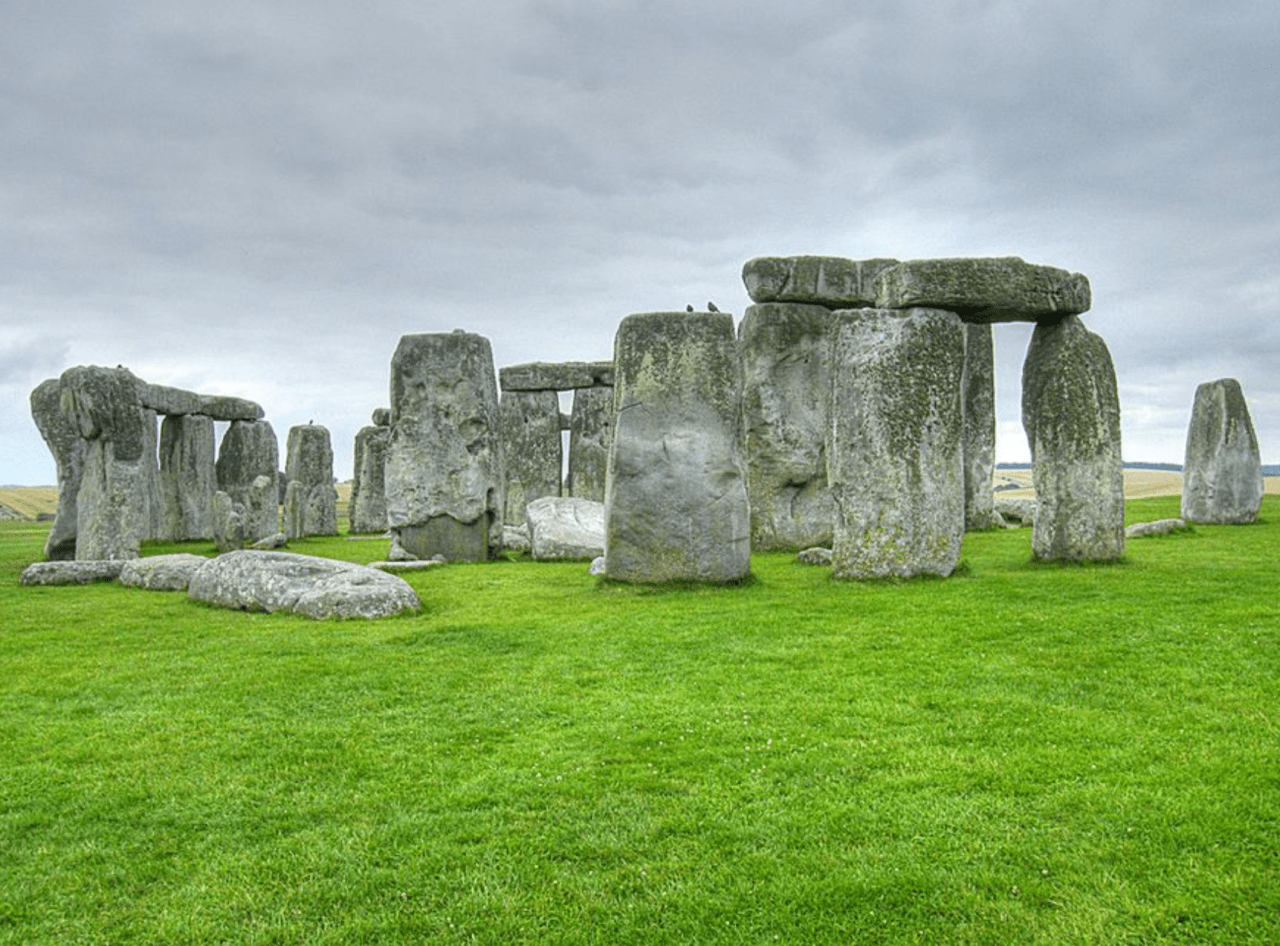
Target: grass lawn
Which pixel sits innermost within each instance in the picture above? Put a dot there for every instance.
(1021, 754)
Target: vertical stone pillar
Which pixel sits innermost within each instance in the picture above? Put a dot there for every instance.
(310, 501)
(152, 492)
(978, 394)
(444, 470)
(1071, 412)
(895, 451)
(63, 438)
(677, 496)
(249, 450)
(367, 511)
(1222, 474)
(590, 435)
(785, 404)
(531, 446)
(188, 476)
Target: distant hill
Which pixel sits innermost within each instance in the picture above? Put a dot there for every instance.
(1268, 469)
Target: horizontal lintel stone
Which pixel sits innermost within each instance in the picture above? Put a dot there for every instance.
(829, 281)
(985, 289)
(562, 376)
(167, 400)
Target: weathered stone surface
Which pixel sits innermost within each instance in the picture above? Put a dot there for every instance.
(381, 417)
(978, 397)
(814, 556)
(563, 376)
(590, 436)
(161, 572)
(112, 513)
(414, 566)
(227, 518)
(302, 584)
(62, 436)
(103, 405)
(786, 391)
(1158, 527)
(564, 527)
(815, 280)
(516, 538)
(82, 572)
(444, 472)
(268, 542)
(597, 566)
(1222, 476)
(249, 450)
(310, 500)
(238, 524)
(894, 448)
(985, 289)
(677, 501)
(153, 492)
(188, 476)
(1015, 509)
(531, 445)
(1071, 412)
(367, 509)
(175, 402)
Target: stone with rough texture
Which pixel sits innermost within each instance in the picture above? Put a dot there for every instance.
(978, 397)
(985, 289)
(597, 566)
(188, 476)
(786, 388)
(161, 572)
(381, 417)
(302, 584)
(414, 566)
(814, 556)
(590, 435)
(82, 572)
(1222, 474)
(516, 538)
(367, 509)
(175, 402)
(564, 527)
(277, 541)
(1071, 413)
(62, 436)
(444, 471)
(153, 489)
(1019, 509)
(1158, 527)
(562, 376)
(894, 447)
(531, 445)
(310, 500)
(238, 524)
(676, 507)
(249, 450)
(828, 281)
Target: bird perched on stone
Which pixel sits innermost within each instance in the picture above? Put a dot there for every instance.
(688, 308)
(711, 307)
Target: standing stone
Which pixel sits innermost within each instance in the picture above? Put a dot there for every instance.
(68, 449)
(152, 491)
(978, 395)
(895, 447)
(532, 448)
(590, 436)
(785, 405)
(1071, 412)
(367, 510)
(188, 476)
(249, 450)
(444, 471)
(677, 496)
(1222, 476)
(310, 502)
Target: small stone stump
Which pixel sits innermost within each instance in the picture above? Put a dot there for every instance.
(249, 450)
(1222, 475)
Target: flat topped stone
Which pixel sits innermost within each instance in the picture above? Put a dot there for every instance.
(985, 289)
(166, 400)
(562, 376)
(162, 572)
(71, 573)
(829, 281)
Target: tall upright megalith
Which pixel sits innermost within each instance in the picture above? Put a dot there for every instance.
(367, 510)
(310, 500)
(249, 450)
(1071, 413)
(978, 397)
(1222, 474)
(590, 436)
(531, 447)
(785, 348)
(894, 448)
(63, 438)
(444, 470)
(188, 476)
(677, 496)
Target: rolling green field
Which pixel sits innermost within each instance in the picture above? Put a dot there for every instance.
(1021, 753)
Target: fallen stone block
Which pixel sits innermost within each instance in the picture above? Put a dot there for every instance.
(1159, 527)
(162, 572)
(71, 573)
(564, 527)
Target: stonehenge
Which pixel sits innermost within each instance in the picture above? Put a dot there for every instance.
(310, 500)
(367, 508)
(1222, 473)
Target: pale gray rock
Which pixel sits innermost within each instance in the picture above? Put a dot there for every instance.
(1015, 509)
(1222, 476)
(175, 402)
(565, 527)
(562, 376)
(102, 403)
(249, 450)
(894, 448)
(444, 472)
(1158, 527)
(249, 580)
(400, 567)
(188, 476)
(985, 289)
(828, 281)
(62, 436)
(531, 445)
(786, 390)
(228, 521)
(516, 538)
(590, 436)
(82, 572)
(367, 510)
(814, 556)
(1071, 413)
(240, 524)
(161, 572)
(676, 507)
(310, 500)
(277, 541)
(978, 396)
(597, 566)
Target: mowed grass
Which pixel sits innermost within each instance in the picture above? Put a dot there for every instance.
(1021, 753)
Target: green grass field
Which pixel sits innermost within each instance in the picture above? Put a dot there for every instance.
(1020, 754)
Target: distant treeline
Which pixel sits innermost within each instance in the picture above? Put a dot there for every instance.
(1271, 469)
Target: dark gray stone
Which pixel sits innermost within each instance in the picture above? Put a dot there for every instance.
(367, 509)
(1222, 475)
(985, 289)
(532, 449)
(249, 451)
(161, 572)
(590, 436)
(310, 500)
(188, 476)
(828, 281)
(563, 376)
(62, 436)
(978, 397)
(71, 573)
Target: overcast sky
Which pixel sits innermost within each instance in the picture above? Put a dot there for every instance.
(259, 198)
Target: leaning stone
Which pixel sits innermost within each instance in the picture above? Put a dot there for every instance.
(895, 452)
(311, 502)
(249, 451)
(1071, 412)
(786, 388)
(531, 445)
(562, 376)
(1159, 527)
(82, 572)
(67, 446)
(590, 436)
(1222, 476)
(566, 528)
(978, 397)
(161, 572)
(188, 476)
(814, 556)
(814, 280)
(677, 502)
(990, 289)
(367, 509)
(302, 584)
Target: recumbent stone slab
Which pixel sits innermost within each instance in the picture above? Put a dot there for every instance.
(161, 572)
(985, 289)
(1222, 473)
(565, 527)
